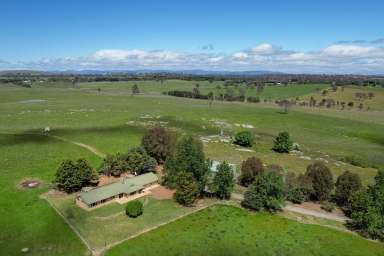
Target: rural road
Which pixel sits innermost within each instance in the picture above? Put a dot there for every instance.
(297, 209)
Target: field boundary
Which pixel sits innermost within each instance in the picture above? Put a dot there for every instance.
(77, 232)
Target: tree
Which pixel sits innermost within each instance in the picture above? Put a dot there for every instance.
(113, 165)
(282, 143)
(266, 192)
(71, 177)
(244, 138)
(188, 157)
(134, 208)
(210, 98)
(135, 89)
(368, 212)
(137, 161)
(297, 188)
(346, 184)
(159, 143)
(223, 182)
(322, 180)
(250, 168)
(187, 189)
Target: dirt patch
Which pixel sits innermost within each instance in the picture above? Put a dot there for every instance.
(162, 193)
(104, 179)
(29, 183)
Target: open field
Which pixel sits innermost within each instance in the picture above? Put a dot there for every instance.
(113, 120)
(225, 230)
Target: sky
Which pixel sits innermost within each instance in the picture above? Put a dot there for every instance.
(286, 36)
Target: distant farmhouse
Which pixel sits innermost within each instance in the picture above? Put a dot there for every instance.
(122, 191)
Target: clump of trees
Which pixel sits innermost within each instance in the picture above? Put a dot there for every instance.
(282, 143)
(250, 168)
(134, 208)
(135, 161)
(244, 138)
(72, 176)
(266, 192)
(187, 165)
(297, 188)
(159, 143)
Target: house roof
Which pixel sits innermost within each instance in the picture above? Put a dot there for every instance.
(126, 186)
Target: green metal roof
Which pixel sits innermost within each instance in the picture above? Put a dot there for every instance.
(125, 186)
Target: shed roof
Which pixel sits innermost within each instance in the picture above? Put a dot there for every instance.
(126, 186)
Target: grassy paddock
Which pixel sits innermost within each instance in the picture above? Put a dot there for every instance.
(102, 120)
(226, 230)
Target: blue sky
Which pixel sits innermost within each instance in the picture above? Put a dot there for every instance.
(292, 36)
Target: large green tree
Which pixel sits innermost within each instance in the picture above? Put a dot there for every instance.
(137, 161)
(159, 143)
(322, 180)
(186, 189)
(223, 181)
(188, 157)
(266, 192)
(71, 177)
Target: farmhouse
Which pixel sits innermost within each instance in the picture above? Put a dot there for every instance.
(128, 187)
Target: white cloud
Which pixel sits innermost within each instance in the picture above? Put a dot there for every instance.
(265, 49)
(336, 58)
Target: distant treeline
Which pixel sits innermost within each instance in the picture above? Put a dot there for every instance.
(232, 78)
(221, 97)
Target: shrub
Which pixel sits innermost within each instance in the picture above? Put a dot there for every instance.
(328, 206)
(134, 208)
(346, 184)
(250, 168)
(186, 189)
(322, 180)
(266, 192)
(244, 138)
(297, 188)
(282, 143)
(159, 143)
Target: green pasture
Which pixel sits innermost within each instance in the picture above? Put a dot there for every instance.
(112, 121)
(226, 230)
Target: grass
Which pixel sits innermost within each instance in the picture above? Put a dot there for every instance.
(109, 224)
(226, 230)
(103, 120)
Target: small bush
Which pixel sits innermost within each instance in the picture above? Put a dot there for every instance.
(134, 208)
(328, 206)
(244, 138)
(282, 143)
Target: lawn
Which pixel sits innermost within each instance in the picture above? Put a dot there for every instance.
(109, 224)
(227, 230)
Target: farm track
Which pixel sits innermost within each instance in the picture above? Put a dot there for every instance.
(296, 209)
(87, 147)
